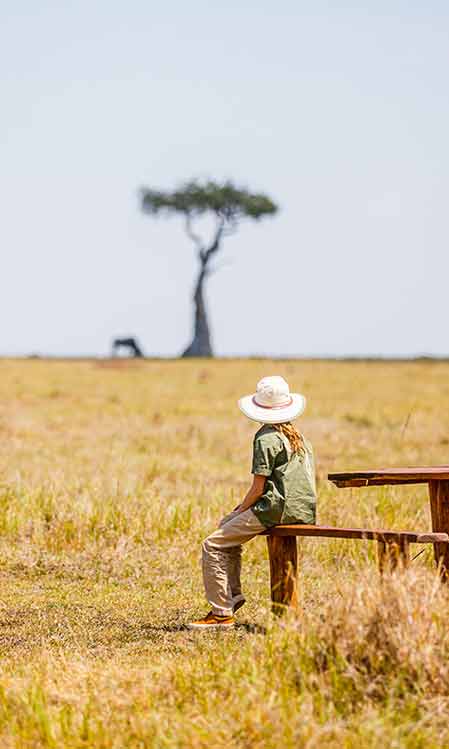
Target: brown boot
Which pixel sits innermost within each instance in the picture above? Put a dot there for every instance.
(212, 621)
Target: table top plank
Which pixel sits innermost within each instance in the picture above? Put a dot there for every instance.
(382, 476)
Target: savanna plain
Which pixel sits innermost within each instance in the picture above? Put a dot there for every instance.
(112, 473)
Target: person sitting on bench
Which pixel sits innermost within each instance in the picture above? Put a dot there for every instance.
(283, 491)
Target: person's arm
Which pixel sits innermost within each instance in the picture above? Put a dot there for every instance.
(253, 494)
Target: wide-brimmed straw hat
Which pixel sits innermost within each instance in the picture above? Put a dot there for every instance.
(272, 403)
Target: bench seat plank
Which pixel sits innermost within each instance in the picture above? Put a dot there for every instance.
(328, 531)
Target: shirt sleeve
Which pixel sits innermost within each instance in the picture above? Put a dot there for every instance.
(265, 451)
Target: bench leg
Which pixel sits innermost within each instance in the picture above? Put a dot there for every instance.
(283, 555)
(392, 554)
(439, 510)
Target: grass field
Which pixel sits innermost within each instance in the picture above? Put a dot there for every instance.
(111, 474)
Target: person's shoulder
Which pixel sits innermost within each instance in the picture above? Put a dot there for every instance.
(307, 444)
(267, 434)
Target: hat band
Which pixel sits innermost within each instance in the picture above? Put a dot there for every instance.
(284, 405)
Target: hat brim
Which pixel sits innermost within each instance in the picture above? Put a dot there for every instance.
(273, 415)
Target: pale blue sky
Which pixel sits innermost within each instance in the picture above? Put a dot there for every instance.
(340, 111)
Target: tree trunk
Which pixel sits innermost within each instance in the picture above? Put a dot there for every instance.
(201, 345)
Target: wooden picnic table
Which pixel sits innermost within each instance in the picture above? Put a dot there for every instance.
(437, 479)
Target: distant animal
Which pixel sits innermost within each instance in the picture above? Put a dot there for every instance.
(127, 343)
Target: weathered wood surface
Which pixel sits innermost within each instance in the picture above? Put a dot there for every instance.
(439, 510)
(328, 531)
(383, 476)
(393, 555)
(393, 547)
(283, 556)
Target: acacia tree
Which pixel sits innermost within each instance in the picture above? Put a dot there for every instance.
(228, 206)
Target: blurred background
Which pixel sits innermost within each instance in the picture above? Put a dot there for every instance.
(339, 112)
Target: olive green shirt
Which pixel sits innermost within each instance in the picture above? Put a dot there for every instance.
(290, 491)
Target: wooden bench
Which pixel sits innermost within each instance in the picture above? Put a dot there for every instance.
(393, 551)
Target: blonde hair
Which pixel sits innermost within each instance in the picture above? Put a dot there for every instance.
(293, 436)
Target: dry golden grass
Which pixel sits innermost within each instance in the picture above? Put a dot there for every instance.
(111, 473)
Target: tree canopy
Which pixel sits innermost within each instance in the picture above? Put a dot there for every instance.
(230, 204)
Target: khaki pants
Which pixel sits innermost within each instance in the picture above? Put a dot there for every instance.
(222, 554)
